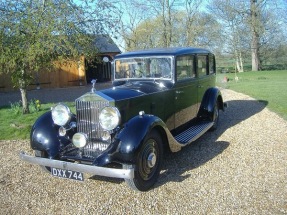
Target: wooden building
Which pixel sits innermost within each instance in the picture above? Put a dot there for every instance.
(71, 73)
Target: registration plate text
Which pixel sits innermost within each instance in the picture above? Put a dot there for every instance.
(62, 173)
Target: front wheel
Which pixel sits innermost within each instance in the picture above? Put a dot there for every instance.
(148, 163)
(43, 155)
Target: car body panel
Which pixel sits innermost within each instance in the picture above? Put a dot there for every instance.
(44, 136)
(186, 101)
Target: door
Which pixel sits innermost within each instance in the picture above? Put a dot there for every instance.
(185, 90)
(205, 69)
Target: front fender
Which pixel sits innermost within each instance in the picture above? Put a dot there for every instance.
(132, 135)
(44, 136)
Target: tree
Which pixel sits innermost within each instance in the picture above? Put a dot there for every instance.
(230, 15)
(172, 23)
(251, 27)
(34, 34)
(142, 16)
(201, 31)
(133, 15)
(256, 28)
(147, 34)
(192, 12)
(267, 32)
(163, 10)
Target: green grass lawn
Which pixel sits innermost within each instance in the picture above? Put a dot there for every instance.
(14, 125)
(269, 86)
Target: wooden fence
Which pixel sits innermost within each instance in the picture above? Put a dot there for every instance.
(65, 74)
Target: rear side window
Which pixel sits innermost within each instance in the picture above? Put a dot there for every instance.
(202, 65)
(211, 64)
(185, 67)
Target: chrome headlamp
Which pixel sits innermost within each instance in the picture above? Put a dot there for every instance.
(61, 114)
(109, 118)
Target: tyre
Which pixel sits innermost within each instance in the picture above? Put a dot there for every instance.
(43, 155)
(148, 163)
(215, 117)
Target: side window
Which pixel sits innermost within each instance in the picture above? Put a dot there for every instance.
(185, 67)
(202, 65)
(211, 64)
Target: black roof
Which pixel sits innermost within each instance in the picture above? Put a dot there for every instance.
(105, 44)
(165, 51)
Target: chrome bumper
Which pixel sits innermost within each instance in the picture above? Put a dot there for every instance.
(94, 170)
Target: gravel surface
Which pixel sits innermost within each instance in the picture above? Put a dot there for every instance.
(241, 168)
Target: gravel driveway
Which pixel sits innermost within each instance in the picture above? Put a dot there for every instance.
(241, 168)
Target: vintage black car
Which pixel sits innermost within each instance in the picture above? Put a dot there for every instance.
(161, 99)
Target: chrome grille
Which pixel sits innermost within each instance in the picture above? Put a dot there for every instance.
(88, 123)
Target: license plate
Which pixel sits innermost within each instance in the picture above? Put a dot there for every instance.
(62, 173)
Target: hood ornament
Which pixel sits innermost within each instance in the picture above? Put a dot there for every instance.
(93, 90)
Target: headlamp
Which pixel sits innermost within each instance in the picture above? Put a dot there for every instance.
(109, 118)
(61, 114)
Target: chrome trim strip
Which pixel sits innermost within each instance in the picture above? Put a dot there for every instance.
(94, 170)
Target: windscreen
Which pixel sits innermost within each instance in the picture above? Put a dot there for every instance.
(143, 68)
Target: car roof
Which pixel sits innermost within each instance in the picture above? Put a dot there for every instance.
(164, 51)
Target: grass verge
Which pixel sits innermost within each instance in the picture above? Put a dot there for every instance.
(14, 125)
(269, 86)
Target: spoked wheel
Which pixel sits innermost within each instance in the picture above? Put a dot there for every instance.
(215, 117)
(148, 163)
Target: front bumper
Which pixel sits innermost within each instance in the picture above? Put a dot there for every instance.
(94, 170)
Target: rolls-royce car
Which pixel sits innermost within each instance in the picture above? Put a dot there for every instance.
(161, 100)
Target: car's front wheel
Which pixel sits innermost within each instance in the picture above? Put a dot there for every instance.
(42, 154)
(148, 163)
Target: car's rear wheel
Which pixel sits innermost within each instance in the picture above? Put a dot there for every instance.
(215, 116)
(148, 163)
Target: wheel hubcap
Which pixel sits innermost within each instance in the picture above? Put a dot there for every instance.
(151, 160)
(148, 163)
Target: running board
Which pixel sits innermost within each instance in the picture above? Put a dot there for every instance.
(193, 133)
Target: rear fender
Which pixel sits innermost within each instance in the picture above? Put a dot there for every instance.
(211, 96)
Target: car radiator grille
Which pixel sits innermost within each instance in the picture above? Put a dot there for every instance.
(88, 123)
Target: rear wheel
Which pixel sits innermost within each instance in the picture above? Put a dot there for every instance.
(215, 117)
(148, 163)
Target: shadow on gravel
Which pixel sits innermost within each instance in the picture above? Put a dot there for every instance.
(207, 147)
(107, 179)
